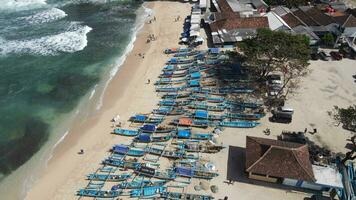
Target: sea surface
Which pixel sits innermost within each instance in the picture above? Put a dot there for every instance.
(52, 53)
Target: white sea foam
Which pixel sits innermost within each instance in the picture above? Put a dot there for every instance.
(139, 25)
(93, 92)
(18, 5)
(45, 16)
(74, 39)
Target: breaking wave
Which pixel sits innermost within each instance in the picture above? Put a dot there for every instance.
(45, 16)
(74, 39)
(18, 5)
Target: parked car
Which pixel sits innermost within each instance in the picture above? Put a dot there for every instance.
(324, 56)
(336, 55)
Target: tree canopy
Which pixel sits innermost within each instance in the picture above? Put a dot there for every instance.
(346, 116)
(277, 51)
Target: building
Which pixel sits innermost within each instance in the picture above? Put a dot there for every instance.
(288, 163)
(235, 20)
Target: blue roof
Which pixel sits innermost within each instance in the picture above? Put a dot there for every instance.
(195, 75)
(201, 114)
(214, 50)
(183, 133)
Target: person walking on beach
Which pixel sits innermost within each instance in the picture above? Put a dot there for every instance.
(148, 81)
(305, 130)
(154, 18)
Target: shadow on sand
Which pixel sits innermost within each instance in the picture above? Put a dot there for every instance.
(236, 172)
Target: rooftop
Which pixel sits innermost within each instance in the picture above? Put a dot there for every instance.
(278, 158)
(326, 175)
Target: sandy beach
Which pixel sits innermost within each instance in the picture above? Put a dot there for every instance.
(329, 83)
(126, 95)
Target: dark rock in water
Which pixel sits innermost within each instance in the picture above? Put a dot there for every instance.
(16, 152)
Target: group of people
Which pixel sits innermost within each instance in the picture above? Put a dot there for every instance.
(152, 20)
(151, 37)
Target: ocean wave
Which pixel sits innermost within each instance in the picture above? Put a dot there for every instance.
(45, 16)
(74, 39)
(18, 5)
(142, 15)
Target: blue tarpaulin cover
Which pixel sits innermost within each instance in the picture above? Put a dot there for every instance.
(214, 50)
(184, 171)
(148, 127)
(195, 75)
(201, 114)
(121, 149)
(144, 138)
(194, 83)
(173, 60)
(183, 133)
(140, 118)
(169, 67)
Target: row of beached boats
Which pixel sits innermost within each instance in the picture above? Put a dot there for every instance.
(191, 96)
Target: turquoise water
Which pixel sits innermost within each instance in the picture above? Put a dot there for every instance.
(51, 54)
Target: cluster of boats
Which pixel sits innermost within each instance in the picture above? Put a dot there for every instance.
(193, 101)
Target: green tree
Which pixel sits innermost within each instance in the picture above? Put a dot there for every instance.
(277, 51)
(346, 117)
(328, 39)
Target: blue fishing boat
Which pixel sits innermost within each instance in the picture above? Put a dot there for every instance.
(108, 177)
(179, 61)
(125, 150)
(244, 104)
(193, 172)
(170, 89)
(176, 50)
(185, 54)
(146, 192)
(168, 102)
(153, 173)
(126, 132)
(185, 196)
(146, 138)
(98, 193)
(122, 163)
(175, 95)
(239, 124)
(136, 184)
(146, 119)
(245, 116)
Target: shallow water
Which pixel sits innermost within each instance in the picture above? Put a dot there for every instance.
(52, 53)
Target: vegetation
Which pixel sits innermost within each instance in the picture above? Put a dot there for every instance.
(277, 51)
(328, 39)
(345, 116)
(351, 155)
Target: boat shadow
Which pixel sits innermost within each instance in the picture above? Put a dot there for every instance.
(236, 172)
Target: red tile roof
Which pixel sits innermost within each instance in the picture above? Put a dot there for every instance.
(278, 159)
(224, 6)
(240, 23)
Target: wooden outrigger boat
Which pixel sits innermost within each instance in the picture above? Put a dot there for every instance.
(144, 118)
(152, 128)
(244, 116)
(122, 163)
(140, 184)
(185, 121)
(239, 124)
(167, 81)
(169, 111)
(129, 151)
(146, 138)
(98, 193)
(153, 173)
(108, 177)
(179, 61)
(169, 74)
(170, 89)
(187, 134)
(202, 148)
(176, 95)
(125, 132)
(173, 103)
(169, 154)
(192, 172)
(148, 192)
(177, 50)
(185, 196)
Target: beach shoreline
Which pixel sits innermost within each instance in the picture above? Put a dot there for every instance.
(125, 94)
